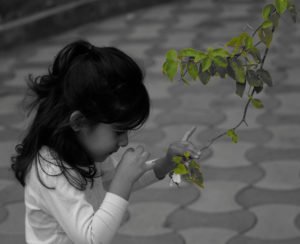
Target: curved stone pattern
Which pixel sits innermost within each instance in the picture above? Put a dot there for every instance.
(157, 239)
(218, 196)
(10, 104)
(6, 151)
(253, 196)
(174, 195)
(261, 154)
(147, 219)
(175, 133)
(238, 221)
(227, 154)
(207, 235)
(282, 175)
(246, 174)
(285, 136)
(14, 224)
(275, 222)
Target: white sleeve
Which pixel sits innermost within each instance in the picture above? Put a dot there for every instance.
(77, 217)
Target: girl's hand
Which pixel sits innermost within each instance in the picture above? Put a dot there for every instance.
(131, 167)
(132, 164)
(178, 148)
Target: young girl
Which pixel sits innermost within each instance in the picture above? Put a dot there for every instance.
(83, 109)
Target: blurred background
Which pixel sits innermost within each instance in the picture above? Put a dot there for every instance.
(252, 188)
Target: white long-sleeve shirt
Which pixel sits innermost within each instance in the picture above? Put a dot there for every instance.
(67, 215)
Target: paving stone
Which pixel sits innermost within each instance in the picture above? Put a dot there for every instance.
(6, 64)
(207, 235)
(248, 240)
(134, 49)
(239, 221)
(282, 175)
(175, 132)
(209, 201)
(160, 13)
(178, 39)
(268, 119)
(288, 104)
(21, 76)
(147, 219)
(223, 155)
(182, 195)
(190, 20)
(145, 31)
(284, 136)
(12, 238)
(156, 68)
(15, 223)
(44, 54)
(198, 6)
(246, 174)
(101, 40)
(7, 149)
(158, 89)
(233, 116)
(13, 193)
(253, 196)
(173, 238)
(202, 117)
(275, 222)
(10, 104)
(248, 135)
(261, 154)
(148, 136)
(194, 102)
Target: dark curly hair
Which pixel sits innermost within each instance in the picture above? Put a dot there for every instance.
(103, 83)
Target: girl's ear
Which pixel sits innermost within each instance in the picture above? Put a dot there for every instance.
(77, 120)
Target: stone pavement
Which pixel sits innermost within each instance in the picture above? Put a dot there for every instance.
(252, 189)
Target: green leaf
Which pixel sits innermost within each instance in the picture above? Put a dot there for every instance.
(171, 55)
(188, 52)
(194, 164)
(248, 42)
(170, 68)
(204, 76)
(187, 155)
(199, 56)
(264, 76)
(181, 169)
(220, 61)
(255, 53)
(239, 71)
(234, 137)
(258, 89)
(220, 52)
(193, 70)
(257, 103)
(267, 11)
(177, 159)
(240, 88)
(253, 79)
(281, 6)
(267, 24)
(206, 63)
(266, 36)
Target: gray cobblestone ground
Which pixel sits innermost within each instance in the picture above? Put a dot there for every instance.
(252, 193)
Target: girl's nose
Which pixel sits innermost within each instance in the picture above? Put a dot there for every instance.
(123, 140)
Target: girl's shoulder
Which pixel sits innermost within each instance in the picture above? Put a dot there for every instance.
(48, 161)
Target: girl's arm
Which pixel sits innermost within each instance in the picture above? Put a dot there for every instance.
(76, 216)
(150, 177)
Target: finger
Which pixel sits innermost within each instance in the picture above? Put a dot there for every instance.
(188, 134)
(139, 149)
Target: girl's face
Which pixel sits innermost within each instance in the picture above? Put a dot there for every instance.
(102, 140)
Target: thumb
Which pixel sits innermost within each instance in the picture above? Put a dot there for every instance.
(150, 164)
